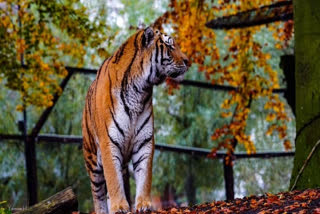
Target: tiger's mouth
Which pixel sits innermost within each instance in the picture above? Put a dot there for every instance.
(175, 74)
(178, 74)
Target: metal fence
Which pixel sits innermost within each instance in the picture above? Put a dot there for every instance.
(34, 137)
(31, 139)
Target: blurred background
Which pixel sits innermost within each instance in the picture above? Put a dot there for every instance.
(39, 39)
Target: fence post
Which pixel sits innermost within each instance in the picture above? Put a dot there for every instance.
(29, 145)
(288, 66)
(228, 179)
(31, 163)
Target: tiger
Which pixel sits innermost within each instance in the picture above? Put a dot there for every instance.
(117, 121)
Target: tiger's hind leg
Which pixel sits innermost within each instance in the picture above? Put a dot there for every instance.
(99, 194)
(97, 180)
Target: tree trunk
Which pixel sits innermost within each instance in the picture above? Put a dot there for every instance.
(287, 65)
(63, 202)
(307, 52)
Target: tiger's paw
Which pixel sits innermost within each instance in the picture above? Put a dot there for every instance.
(143, 205)
(120, 207)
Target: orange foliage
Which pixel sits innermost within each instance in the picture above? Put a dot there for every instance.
(297, 201)
(30, 39)
(198, 42)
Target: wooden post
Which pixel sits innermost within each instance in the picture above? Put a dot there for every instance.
(228, 179)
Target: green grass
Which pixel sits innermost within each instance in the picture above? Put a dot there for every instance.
(4, 208)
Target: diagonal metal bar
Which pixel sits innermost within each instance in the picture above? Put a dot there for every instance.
(45, 114)
(280, 11)
(30, 147)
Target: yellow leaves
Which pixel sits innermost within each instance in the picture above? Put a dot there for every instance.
(21, 45)
(226, 114)
(44, 53)
(275, 35)
(6, 22)
(238, 67)
(44, 66)
(92, 58)
(63, 72)
(268, 56)
(19, 108)
(226, 104)
(270, 117)
(271, 129)
(247, 142)
(287, 145)
(282, 131)
(278, 46)
(187, 17)
(25, 86)
(103, 53)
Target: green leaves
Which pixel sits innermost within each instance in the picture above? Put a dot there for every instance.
(4, 210)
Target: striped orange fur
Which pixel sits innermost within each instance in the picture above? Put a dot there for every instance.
(117, 124)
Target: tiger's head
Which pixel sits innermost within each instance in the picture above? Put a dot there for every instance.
(165, 56)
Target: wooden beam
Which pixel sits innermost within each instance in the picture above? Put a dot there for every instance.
(64, 202)
(280, 11)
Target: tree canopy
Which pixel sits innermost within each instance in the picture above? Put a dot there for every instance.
(246, 65)
(38, 38)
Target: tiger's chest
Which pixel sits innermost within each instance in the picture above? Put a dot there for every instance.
(130, 127)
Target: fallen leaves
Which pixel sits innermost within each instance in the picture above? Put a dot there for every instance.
(298, 201)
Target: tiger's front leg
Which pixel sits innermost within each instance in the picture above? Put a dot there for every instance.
(142, 156)
(112, 160)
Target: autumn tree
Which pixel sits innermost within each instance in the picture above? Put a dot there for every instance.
(245, 66)
(306, 171)
(37, 40)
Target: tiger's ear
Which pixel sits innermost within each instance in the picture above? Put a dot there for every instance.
(147, 36)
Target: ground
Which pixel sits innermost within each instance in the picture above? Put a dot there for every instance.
(298, 201)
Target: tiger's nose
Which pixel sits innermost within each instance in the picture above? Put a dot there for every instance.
(186, 62)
